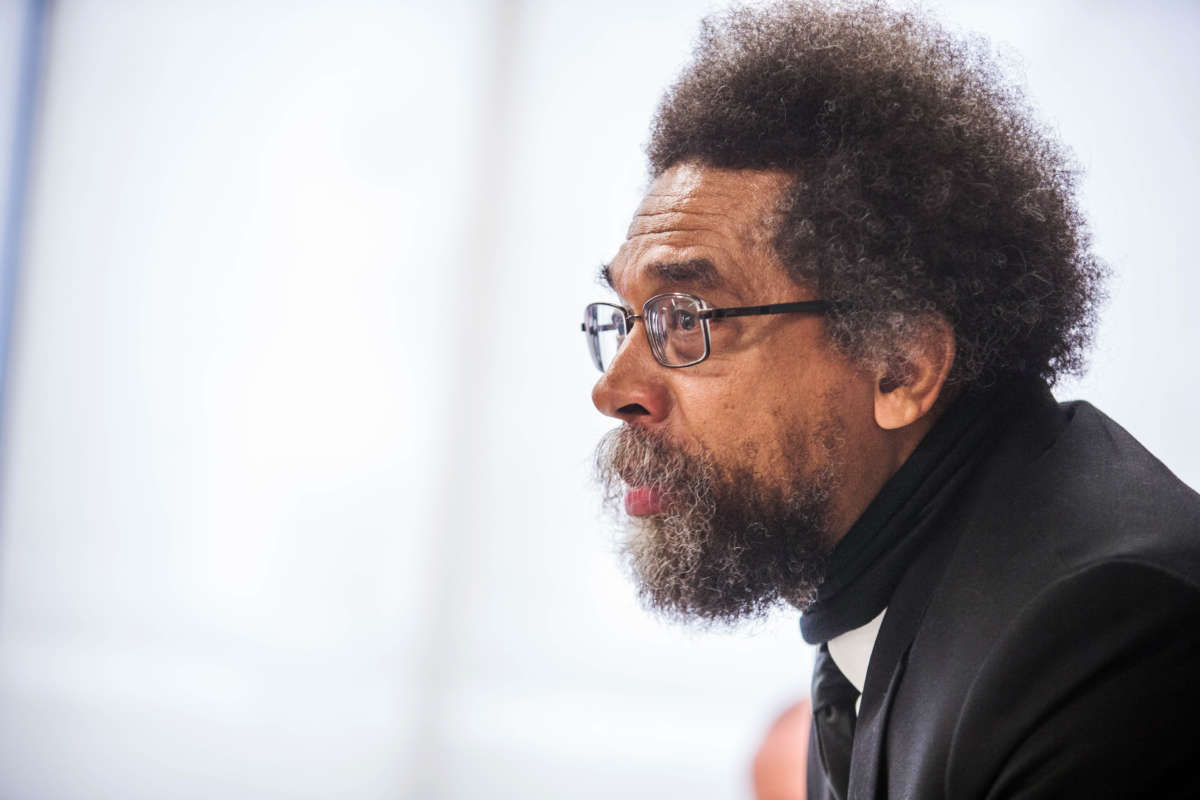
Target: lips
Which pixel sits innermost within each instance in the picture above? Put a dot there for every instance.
(642, 501)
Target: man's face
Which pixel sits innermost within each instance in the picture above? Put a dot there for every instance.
(733, 472)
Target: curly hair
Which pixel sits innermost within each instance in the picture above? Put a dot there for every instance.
(922, 187)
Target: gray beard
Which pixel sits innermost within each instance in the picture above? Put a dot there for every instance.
(726, 547)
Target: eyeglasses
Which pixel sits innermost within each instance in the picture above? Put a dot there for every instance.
(676, 326)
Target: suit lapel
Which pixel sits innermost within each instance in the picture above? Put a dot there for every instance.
(889, 657)
(868, 769)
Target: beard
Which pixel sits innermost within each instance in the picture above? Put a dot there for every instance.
(725, 545)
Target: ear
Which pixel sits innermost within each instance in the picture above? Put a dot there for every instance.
(908, 386)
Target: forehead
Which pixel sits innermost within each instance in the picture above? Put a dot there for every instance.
(705, 227)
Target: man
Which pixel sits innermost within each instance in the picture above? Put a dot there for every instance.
(840, 303)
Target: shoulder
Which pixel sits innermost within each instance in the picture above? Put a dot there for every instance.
(1059, 651)
(1048, 506)
(1096, 458)
(1090, 691)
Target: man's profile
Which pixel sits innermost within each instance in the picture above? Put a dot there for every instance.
(857, 270)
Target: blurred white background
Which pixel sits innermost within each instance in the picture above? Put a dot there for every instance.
(296, 435)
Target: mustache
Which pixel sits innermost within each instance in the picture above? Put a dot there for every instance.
(630, 456)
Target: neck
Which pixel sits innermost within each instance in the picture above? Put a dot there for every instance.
(868, 560)
(879, 459)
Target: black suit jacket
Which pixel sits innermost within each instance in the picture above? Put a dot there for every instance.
(1045, 641)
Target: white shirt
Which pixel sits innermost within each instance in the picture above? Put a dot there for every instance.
(852, 651)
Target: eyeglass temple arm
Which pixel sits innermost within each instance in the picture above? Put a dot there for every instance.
(628, 318)
(809, 306)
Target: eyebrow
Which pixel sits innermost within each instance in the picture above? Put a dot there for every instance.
(699, 272)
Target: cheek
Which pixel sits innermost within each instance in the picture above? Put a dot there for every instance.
(742, 423)
(705, 410)
(745, 410)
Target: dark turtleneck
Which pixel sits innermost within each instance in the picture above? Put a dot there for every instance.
(868, 562)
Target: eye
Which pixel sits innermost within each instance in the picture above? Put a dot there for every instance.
(685, 320)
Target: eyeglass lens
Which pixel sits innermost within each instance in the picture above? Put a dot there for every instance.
(604, 325)
(677, 333)
(673, 325)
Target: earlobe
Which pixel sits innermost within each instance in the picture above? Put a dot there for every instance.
(911, 383)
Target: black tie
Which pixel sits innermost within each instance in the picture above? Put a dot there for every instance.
(833, 699)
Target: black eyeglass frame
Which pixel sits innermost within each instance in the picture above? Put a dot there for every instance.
(704, 314)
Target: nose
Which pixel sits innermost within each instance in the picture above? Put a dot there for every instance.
(633, 389)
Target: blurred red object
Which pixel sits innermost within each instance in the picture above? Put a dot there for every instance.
(781, 762)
